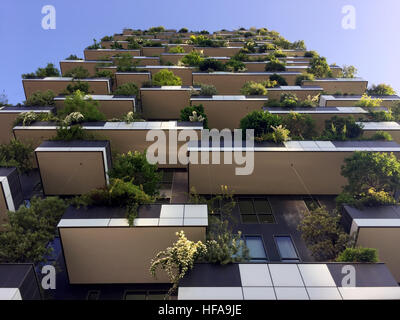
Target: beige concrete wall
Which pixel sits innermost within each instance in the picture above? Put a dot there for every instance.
(90, 66)
(294, 53)
(275, 173)
(187, 47)
(184, 73)
(118, 255)
(6, 125)
(173, 58)
(99, 54)
(227, 114)
(164, 104)
(136, 78)
(71, 173)
(352, 103)
(232, 83)
(255, 66)
(394, 133)
(219, 51)
(151, 51)
(386, 240)
(34, 137)
(3, 208)
(110, 108)
(58, 86)
(330, 87)
(107, 44)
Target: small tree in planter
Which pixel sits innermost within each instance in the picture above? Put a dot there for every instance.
(187, 113)
(381, 90)
(77, 73)
(127, 89)
(320, 68)
(166, 78)
(40, 99)
(358, 254)
(263, 124)
(252, 88)
(178, 259)
(48, 71)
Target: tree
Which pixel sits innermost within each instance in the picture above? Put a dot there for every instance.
(49, 71)
(319, 67)
(40, 99)
(300, 125)
(381, 90)
(349, 71)
(127, 89)
(77, 73)
(29, 230)
(252, 88)
(373, 178)
(342, 128)
(166, 78)
(178, 259)
(133, 167)
(358, 254)
(193, 59)
(16, 154)
(302, 77)
(262, 122)
(322, 234)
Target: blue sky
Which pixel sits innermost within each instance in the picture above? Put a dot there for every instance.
(373, 47)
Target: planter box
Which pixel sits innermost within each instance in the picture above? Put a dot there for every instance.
(185, 73)
(227, 111)
(321, 114)
(393, 128)
(98, 54)
(282, 169)
(231, 82)
(351, 85)
(73, 167)
(136, 77)
(379, 228)
(59, 84)
(9, 114)
(164, 103)
(219, 51)
(173, 58)
(126, 252)
(107, 44)
(187, 47)
(91, 66)
(350, 101)
(294, 53)
(152, 51)
(123, 137)
(10, 193)
(143, 61)
(112, 106)
(301, 92)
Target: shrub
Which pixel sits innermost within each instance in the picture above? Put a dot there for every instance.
(40, 99)
(16, 154)
(202, 41)
(116, 45)
(132, 117)
(342, 128)
(275, 65)
(150, 43)
(86, 106)
(187, 112)
(381, 90)
(166, 78)
(289, 100)
(48, 71)
(77, 73)
(71, 133)
(206, 90)
(280, 134)
(177, 49)
(348, 71)
(382, 135)
(94, 46)
(156, 29)
(74, 118)
(107, 38)
(304, 76)
(29, 230)
(211, 65)
(301, 126)
(127, 89)
(262, 122)
(278, 78)
(26, 118)
(358, 254)
(133, 44)
(271, 84)
(77, 86)
(193, 59)
(104, 74)
(311, 54)
(125, 63)
(322, 234)
(368, 102)
(235, 66)
(133, 167)
(319, 68)
(252, 88)
(183, 30)
(73, 57)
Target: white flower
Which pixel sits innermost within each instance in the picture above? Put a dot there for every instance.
(74, 117)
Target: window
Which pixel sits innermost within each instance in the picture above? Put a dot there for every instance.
(255, 211)
(166, 180)
(93, 295)
(286, 249)
(256, 248)
(145, 295)
(311, 203)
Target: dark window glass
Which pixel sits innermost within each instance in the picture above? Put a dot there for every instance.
(286, 248)
(256, 249)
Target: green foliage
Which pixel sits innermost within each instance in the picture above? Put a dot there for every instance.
(71, 133)
(323, 234)
(156, 29)
(116, 45)
(48, 71)
(150, 43)
(358, 254)
(202, 41)
(235, 66)
(77, 86)
(16, 154)
(304, 76)
(187, 112)
(127, 89)
(94, 46)
(40, 99)
(373, 179)
(29, 231)
(183, 30)
(193, 59)
(107, 38)
(166, 78)
(280, 134)
(177, 49)
(133, 44)
(125, 63)
(278, 78)
(381, 90)
(104, 74)
(382, 135)
(86, 106)
(211, 65)
(252, 88)
(341, 129)
(289, 100)
(262, 122)
(206, 90)
(73, 57)
(133, 167)
(368, 102)
(348, 72)
(133, 117)
(311, 54)
(275, 65)
(319, 68)
(300, 125)
(77, 73)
